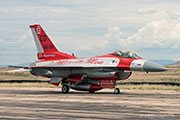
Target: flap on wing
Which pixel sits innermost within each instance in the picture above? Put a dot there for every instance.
(55, 81)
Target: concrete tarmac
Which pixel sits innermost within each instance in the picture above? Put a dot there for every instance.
(49, 103)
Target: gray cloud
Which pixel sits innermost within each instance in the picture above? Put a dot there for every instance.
(173, 14)
(145, 11)
(3, 10)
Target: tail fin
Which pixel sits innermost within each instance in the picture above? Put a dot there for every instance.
(46, 49)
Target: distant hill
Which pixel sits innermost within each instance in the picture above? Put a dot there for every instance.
(163, 62)
(3, 65)
(176, 64)
(23, 64)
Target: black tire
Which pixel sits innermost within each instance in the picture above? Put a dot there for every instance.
(91, 91)
(65, 89)
(116, 90)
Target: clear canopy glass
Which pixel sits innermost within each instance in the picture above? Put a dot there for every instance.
(126, 54)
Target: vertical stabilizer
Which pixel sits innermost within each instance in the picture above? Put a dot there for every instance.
(43, 43)
(46, 49)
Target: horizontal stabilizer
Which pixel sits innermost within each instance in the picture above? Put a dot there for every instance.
(25, 67)
(17, 70)
(55, 81)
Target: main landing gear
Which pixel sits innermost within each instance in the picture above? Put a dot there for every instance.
(116, 90)
(65, 89)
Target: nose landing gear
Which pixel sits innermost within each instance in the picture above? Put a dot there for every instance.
(116, 90)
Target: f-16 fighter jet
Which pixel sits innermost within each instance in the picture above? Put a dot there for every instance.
(87, 73)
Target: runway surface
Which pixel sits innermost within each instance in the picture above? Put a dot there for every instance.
(49, 103)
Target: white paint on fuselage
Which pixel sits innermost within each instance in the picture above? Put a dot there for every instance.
(137, 65)
(81, 62)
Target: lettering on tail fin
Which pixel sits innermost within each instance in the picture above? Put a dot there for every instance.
(46, 49)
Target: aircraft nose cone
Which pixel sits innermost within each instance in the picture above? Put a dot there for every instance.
(153, 67)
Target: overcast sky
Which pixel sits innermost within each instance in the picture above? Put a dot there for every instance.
(91, 27)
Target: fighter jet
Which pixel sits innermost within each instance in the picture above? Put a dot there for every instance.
(87, 73)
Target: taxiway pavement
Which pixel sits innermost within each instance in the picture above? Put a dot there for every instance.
(50, 103)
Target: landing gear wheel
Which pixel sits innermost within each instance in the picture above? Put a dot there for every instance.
(116, 90)
(91, 91)
(65, 89)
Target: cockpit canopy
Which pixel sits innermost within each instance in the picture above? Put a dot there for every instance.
(125, 54)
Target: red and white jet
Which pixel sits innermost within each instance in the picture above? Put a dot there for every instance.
(88, 73)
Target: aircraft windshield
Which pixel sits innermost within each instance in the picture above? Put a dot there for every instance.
(126, 54)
